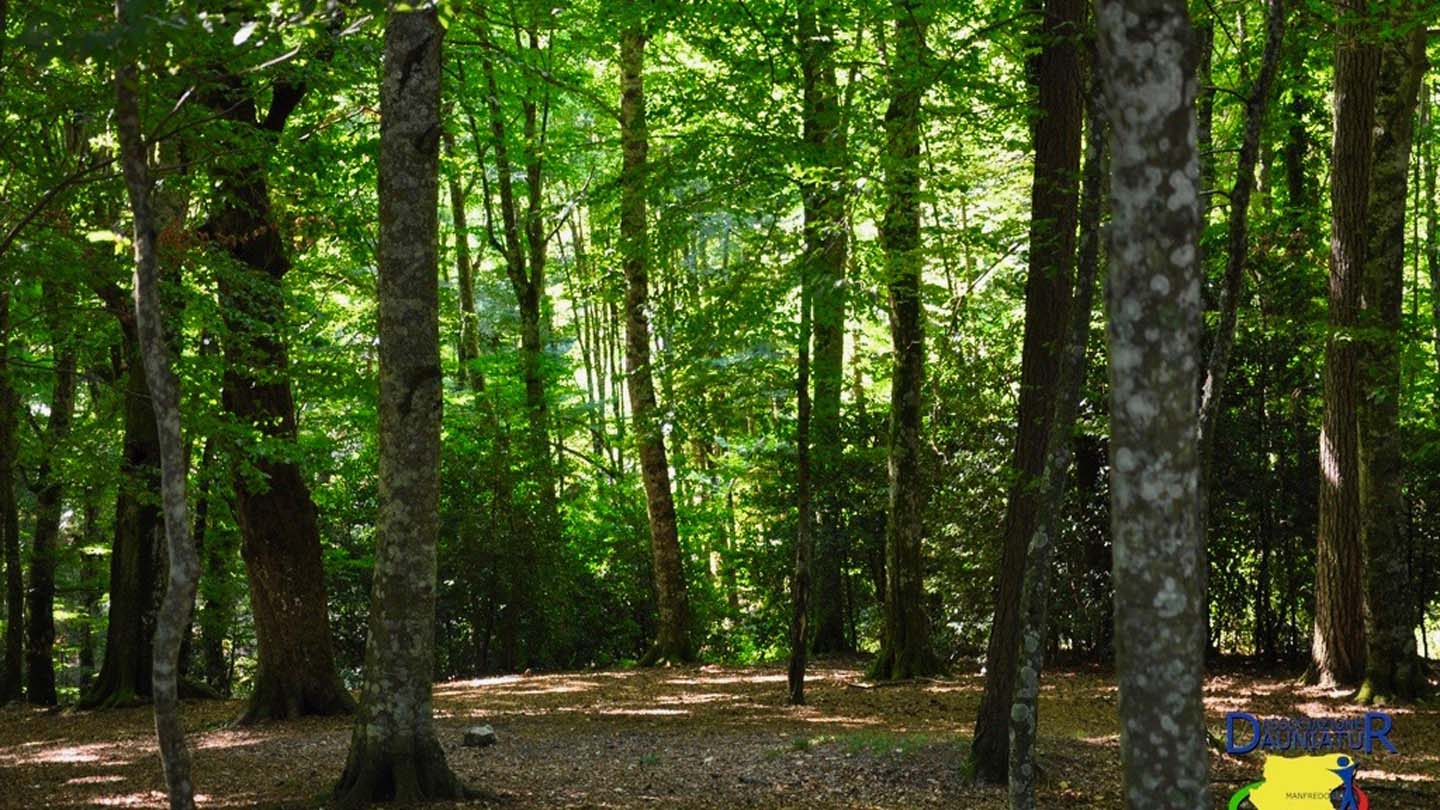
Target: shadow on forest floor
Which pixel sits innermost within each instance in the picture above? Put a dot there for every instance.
(703, 737)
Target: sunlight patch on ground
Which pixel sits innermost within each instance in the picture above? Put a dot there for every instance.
(720, 680)
(90, 753)
(149, 798)
(641, 712)
(697, 697)
(97, 779)
(228, 738)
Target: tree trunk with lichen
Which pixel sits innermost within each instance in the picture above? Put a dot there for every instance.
(173, 616)
(1337, 647)
(905, 648)
(1393, 670)
(1024, 712)
(394, 753)
(672, 642)
(1055, 78)
(1147, 66)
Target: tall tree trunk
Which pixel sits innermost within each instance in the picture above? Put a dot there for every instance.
(1432, 234)
(1024, 711)
(394, 754)
(823, 266)
(49, 499)
(523, 248)
(1237, 244)
(1392, 669)
(11, 677)
(905, 649)
(278, 521)
(1337, 647)
(805, 517)
(124, 677)
(1055, 78)
(672, 641)
(216, 613)
(184, 566)
(1147, 65)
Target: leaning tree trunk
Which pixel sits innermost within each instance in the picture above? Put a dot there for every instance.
(394, 753)
(184, 569)
(1337, 647)
(1147, 67)
(11, 676)
(672, 641)
(1024, 711)
(49, 500)
(1055, 77)
(278, 521)
(1237, 245)
(905, 650)
(1392, 668)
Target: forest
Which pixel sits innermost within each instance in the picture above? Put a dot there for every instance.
(720, 404)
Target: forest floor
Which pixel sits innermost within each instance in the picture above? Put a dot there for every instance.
(700, 738)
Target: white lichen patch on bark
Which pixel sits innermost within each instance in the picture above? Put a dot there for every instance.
(1148, 70)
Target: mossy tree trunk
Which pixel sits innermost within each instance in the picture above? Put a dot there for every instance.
(1393, 670)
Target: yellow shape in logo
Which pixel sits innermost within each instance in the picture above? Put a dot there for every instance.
(1298, 783)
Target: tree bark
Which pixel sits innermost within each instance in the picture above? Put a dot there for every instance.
(524, 250)
(11, 677)
(184, 566)
(278, 521)
(905, 649)
(49, 499)
(672, 643)
(1237, 243)
(124, 677)
(1147, 64)
(805, 517)
(1055, 78)
(1337, 647)
(394, 753)
(824, 192)
(1393, 671)
(1024, 713)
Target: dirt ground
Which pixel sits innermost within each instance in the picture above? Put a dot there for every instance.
(698, 738)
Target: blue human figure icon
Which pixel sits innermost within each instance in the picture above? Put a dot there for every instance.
(1346, 772)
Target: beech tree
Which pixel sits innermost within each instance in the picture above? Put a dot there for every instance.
(1147, 67)
(1054, 75)
(394, 754)
(173, 617)
(672, 643)
(905, 649)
